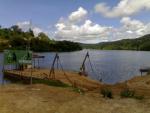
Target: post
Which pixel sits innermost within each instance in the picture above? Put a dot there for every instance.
(38, 63)
(3, 69)
(31, 73)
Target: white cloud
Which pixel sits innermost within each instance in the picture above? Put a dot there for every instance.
(123, 8)
(131, 28)
(26, 25)
(81, 33)
(78, 15)
(133, 25)
(37, 30)
(89, 32)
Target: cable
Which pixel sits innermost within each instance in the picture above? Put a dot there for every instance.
(94, 70)
(64, 72)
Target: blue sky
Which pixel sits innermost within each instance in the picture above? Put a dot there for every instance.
(100, 17)
(43, 12)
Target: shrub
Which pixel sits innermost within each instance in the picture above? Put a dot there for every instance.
(127, 93)
(139, 97)
(130, 94)
(106, 93)
(78, 90)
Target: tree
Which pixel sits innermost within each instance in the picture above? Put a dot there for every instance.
(15, 28)
(31, 32)
(43, 36)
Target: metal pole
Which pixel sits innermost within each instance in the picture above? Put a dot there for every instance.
(52, 67)
(82, 68)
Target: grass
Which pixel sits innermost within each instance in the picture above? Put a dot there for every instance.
(78, 90)
(107, 93)
(19, 80)
(56, 83)
(126, 93)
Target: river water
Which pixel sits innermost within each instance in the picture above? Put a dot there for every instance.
(109, 66)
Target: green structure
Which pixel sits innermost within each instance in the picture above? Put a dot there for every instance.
(17, 57)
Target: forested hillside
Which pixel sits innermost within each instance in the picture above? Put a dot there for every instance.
(15, 38)
(142, 43)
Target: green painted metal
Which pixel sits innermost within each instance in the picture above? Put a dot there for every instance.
(17, 57)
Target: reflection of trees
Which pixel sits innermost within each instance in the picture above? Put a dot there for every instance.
(28, 56)
(14, 57)
(11, 57)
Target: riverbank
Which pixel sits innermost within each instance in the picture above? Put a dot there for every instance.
(38, 98)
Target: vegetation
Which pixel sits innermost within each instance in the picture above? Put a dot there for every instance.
(142, 43)
(78, 90)
(55, 83)
(15, 38)
(126, 93)
(106, 93)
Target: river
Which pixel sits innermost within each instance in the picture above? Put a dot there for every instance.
(109, 66)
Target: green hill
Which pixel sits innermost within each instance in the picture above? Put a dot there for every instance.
(15, 38)
(141, 43)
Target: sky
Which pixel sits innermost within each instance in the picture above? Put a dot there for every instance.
(86, 21)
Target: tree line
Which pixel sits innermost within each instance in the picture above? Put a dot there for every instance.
(139, 44)
(16, 38)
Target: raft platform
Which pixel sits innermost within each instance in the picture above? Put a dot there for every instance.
(76, 80)
(144, 70)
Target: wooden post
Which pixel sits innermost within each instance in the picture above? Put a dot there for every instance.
(34, 62)
(3, 69)
(38, 63)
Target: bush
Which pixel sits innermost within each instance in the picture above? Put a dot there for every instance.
(130, 94)
(139, 97)
(127, 93)
(106, 93)
(78, 90)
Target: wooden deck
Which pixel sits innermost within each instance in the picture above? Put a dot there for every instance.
(75, 78)
(144, 70)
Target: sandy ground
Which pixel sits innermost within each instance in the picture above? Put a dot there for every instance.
(46, 99)
(71, 78)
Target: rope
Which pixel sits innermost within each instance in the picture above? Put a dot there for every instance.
(64, 72)
(93, 71)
